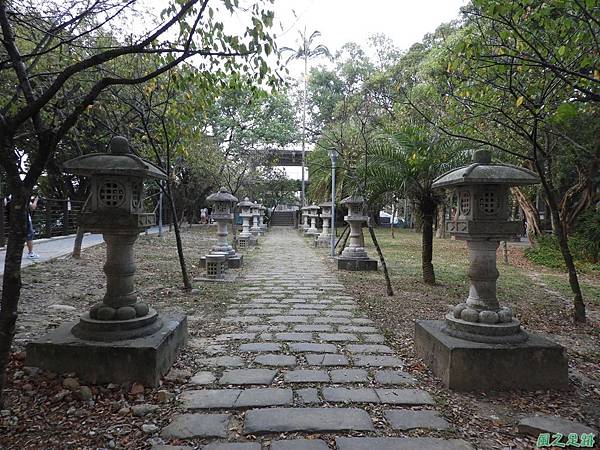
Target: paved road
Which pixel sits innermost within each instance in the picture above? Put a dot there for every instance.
(300, 367)
(56, 247)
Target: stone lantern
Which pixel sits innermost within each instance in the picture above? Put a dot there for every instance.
(244, 238)
(222, 213)
(119, 339)
(263, 225)
(324, 238)
(255, 229)
(480, 345)
(305, 225)
(354, 256)
(313, 215)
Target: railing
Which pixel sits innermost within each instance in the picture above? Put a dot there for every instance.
(52, 217)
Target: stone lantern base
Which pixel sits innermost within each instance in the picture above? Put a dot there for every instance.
(358, 264)
(464, 365)
(144, 359)
(233, 262)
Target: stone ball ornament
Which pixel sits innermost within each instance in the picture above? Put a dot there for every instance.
(483, 219)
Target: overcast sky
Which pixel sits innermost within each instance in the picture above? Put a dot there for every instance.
(342, 21)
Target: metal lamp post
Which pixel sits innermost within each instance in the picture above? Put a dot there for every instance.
(333, 154)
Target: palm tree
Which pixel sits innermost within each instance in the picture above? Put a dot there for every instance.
(306, 51)
(408, 161)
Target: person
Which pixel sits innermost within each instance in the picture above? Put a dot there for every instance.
(30, 232)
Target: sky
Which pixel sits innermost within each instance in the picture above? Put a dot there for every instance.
(342, 21)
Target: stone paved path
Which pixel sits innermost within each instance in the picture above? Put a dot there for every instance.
(302, 368)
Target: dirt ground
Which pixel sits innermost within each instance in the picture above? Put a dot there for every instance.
(488, 419)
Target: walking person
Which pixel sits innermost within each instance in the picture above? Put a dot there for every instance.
(30, 231)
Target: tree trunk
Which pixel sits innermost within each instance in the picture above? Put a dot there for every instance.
(440, 231)
(11, 283)
(343, 236)
(184, 273)
(532, 215)
(77, 244)
(578, 305)
(427, 212)
(390, 291)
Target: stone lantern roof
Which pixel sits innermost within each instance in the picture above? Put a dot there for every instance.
(353, 200)
(482, 171)
(246, 203)
(222, 196)
(120, 161)
(325, 205)
(312, 207)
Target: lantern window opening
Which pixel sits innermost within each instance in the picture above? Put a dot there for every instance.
(465, 203)
(488, 203)
(111, 194)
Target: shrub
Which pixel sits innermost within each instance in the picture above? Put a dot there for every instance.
(546, 252)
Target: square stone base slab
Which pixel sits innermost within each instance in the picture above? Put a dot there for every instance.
(142, 360)
(470, 366)
(234, 262)
(356, 264)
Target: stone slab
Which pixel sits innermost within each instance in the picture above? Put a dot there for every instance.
(326, 360)
(394, 377)
(407, 419)
(276, 360)
(343, 443)
(293, 336)
(338, 337)
(465, 366)
(377, 361)
(310, 347)
(355, 264)
(360, 395)
(300, 444)
(369, 348)
(535, 425)
(171, 447)
(308, 396)
(276, 420)
(202, 378)
(258, 347)
(144, 360)
(405, 397)
(236, 398)
(248, 376)
(233, 446)
(349, 376)
(187, 426)
(306, 376)
(321, 328)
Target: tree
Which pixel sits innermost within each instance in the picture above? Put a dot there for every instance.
(407, 161)
(56, 60)
(485, 86)
(306, 52)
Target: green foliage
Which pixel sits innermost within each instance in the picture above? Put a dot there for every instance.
(586, 239)
(546, 252)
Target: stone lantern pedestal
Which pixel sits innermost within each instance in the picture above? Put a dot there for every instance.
(262, 224)
(255, 229)
(480, 345)
(354, 256)
(305, 225)
(120, 339)
(324, 239)
(222, 215)
(313, 215)
(245, 237)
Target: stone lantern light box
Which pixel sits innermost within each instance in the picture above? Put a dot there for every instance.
(120, 338)
(480, 345)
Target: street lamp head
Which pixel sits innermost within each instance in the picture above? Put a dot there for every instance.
(333, 154)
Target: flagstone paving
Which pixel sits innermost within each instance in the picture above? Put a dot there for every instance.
(300, 367)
